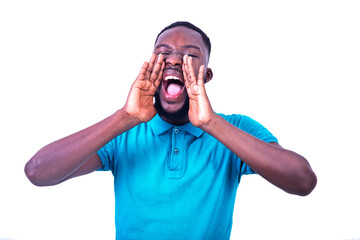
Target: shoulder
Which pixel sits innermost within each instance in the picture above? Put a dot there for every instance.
(249, 125)
(240, 121)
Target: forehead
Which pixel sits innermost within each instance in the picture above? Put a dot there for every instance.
(181, 36)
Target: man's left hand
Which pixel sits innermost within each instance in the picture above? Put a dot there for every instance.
(200, 110)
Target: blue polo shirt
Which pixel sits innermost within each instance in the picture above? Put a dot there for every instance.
(175, 182)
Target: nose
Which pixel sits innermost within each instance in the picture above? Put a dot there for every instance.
(174, 59)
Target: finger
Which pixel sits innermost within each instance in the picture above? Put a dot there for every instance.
(191, 73)
(185, 70)
(160, 58)
(143, 71)
(157, 67)
(151, 65)
(152, 61)
(159, 77)
(200, 79)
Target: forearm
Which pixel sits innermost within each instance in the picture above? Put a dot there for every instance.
(74, 155)
(58, 160)
(285, 169)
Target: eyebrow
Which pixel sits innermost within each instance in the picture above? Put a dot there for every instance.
(184, 46)
(191, 46)
(162, 45)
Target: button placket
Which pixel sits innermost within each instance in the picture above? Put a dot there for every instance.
(176, 161)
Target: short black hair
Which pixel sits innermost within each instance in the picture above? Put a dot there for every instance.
(205, 38)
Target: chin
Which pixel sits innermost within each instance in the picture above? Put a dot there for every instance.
(172, 108)
(171, 112)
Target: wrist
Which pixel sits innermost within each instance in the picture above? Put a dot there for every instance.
(213, 122)
(125, 121)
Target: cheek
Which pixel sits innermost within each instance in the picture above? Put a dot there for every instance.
(197, 70)
(196, 67)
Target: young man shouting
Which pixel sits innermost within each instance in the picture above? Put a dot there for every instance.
(176, 163)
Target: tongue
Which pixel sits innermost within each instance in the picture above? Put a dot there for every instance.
(174, 89)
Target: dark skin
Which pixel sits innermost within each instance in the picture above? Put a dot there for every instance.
(179, 53)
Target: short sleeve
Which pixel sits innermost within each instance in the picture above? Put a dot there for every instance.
(259, 131)
(106, 155)
(255, 129)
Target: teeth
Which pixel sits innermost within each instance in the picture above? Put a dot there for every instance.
(171, 77)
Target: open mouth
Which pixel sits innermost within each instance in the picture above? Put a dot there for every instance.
(173, 86)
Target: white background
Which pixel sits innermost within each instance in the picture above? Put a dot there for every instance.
(294, 66)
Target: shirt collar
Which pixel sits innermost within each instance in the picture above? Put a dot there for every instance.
(160, 126)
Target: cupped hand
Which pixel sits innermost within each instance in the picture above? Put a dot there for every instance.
(139, 104)
(200, 110)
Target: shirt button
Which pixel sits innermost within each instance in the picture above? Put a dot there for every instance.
(176, 131)
(176, 151)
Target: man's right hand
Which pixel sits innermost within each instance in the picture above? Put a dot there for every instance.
(139, 104)
(75, 154)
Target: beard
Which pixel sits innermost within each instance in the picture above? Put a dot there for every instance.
(178, 115)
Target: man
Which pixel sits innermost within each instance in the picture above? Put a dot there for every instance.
(176, 163)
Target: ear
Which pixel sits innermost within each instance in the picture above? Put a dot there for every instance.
(209, 75)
